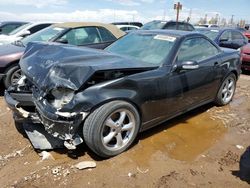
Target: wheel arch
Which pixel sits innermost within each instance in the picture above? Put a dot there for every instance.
(235, 73)
(128, 100)
(11, 64)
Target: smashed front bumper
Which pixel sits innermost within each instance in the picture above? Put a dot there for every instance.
(63, 126)
(22, 107)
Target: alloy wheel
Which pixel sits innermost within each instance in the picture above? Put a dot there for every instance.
(118, 129)
(228, 90)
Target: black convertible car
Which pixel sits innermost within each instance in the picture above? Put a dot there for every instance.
(106, 97)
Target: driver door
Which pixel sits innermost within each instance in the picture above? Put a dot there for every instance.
(188, 88)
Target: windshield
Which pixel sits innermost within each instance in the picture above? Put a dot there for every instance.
(44, 35)
(154, 25)
(19, 29)
(149, 48)
(212, 34)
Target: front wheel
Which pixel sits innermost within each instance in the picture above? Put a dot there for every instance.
(13, 75)
(112, 128)
(226, 91)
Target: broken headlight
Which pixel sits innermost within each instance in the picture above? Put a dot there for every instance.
(58, 97)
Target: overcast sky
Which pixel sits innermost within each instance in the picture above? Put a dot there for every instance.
(119, 10)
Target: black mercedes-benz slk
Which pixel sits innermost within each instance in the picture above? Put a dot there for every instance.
(105, 98)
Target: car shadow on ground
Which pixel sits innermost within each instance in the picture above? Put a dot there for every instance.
(175, 121)
(2, 89)
(244, 172)
(83, 149)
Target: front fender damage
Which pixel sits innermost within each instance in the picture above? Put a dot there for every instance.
(67, 83)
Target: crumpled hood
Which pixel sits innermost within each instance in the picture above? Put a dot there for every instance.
(51, 65)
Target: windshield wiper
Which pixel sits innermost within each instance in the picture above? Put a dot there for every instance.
(18, 43)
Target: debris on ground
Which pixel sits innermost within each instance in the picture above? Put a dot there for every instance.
(142, 171)
(230, 158)
(239, 147)
(85, 164)
(56, 171)
(46, 156)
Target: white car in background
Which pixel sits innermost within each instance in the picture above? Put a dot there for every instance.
(22, 32)
(127, 27)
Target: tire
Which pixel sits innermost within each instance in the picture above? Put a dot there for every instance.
(226, 91)
(11, 76)
(111, 128)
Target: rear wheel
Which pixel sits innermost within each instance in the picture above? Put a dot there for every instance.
(226, 91)
(112, 128)
(13, 75)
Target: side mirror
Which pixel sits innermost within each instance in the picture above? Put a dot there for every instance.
(25, 33)
(188, 65)
(63, 41)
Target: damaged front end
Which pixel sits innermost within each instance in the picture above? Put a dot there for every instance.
(43, 123)
(62, 85)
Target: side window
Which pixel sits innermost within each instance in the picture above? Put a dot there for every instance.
(237, 36)
(8, 28)
(196, 49)
(189, 27)
(124, 28)
(81, 36)
(133, 28)
(38, 28)
(182, 26)
(106, 35)
(171, 25)
(226, 36)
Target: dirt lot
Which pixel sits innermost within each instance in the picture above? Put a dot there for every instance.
(199, 149)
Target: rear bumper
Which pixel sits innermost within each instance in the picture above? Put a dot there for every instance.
(245, 65)
(245, 62)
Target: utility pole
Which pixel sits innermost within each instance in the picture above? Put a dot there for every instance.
(190, 15)
(205, 19)
(217, 19)
(177, 7)
(232, 19)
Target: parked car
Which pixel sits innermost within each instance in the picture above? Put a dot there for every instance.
(244, 32)
(245, 54)
(138, 24)
(172, 25)
(247, 34)
(109, 96)
(22, 32)
(7, 27)
(127, 27)
(225, 37)
(93, 35)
